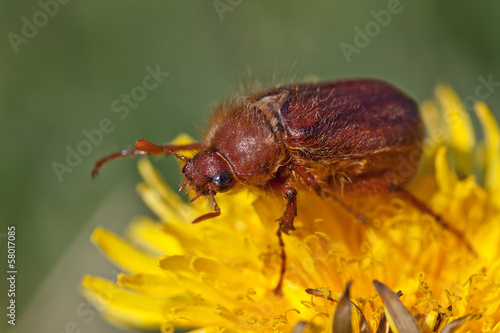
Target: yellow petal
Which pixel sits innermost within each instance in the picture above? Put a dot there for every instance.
(184, 139)
(454, 325)
(122, 307)
(198, 315)
(496, 329)
(435, 134)
(123, 254)
(164, 210)
(430, 321)
(445, 176)
(460, 127)
(177, 262)
(152, 285)
(149, 234)
(153, 179)
(492, 143)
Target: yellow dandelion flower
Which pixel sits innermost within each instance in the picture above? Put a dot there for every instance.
(404, 270)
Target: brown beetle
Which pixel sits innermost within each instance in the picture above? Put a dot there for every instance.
(334, 137)
(345, 136)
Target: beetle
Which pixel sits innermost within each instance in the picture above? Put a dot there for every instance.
(345, 136)
(340, 137)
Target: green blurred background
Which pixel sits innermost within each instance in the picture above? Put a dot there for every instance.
(64, 77)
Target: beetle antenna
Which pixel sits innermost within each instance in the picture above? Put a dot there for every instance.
(111, 157)
(143, 147)
(153, 149)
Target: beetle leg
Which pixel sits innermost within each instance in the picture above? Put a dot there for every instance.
(286, 224)
(290, 194)
(404, 194)
(286, 221)
(279, 287)
(310, 180)
(348, 208)
(376, 185)
(208, 215)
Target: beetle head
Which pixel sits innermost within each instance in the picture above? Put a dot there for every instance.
(208, 172)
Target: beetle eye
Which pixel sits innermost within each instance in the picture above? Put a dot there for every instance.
(222, 181)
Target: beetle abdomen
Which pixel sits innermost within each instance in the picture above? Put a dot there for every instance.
(342, 119)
